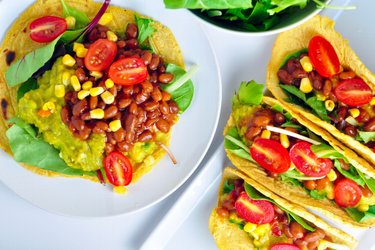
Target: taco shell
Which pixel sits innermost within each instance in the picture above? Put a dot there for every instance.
(297, 39)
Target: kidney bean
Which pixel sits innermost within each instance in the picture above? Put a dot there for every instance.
(292, 65)
(127, 90)
(366, 192)
(173, 108)
(79, 62)
(102, 125)
(346, 75)
(78, 123)
(370, 125)
(131, 31)
(284, 76)
(156, 95)
(314, 236)
(80, 107)
(84, 133)
(110, 138)
(93, 102)
(71, 97)
(86, 116)
(101, 105)
(121, 44)
(147, 87)
(222, 212)
(123, 103)
(327, 88)
(146, 57)
(341, 125)
(65, 115)
(110, 112)
(351, 130)
(286, 231)
(145, 136)
(301, 243)
(80, 73)
(154, 62)
(153, 77)
(151, 106)
(313, 245)
(165, 78)
(344, 165)
(136, 89)
(278, 210)
(133, 109)
(228, 205)
(275, 137)
(296, 230)
(279, 118)
(165, 96)
(332, 97)
(130, 122)
(131, 43)
(310, 184)
(119, 135)
(342, 113)
(163, 126)
(129, 137)
(321, 183)
(252, 132)
(299, 73)
(124, 146)
(150, 122)
(109, 148)
(363, 116)
(113, 91)
(102, 28)
(161, 69)
(262, 120)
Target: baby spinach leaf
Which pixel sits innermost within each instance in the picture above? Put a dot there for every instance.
(26, 87)
(81, 17)
(361, 216)
(233, 143)
(145, 29)
(228, 187)
(291, 124)
(352, 174)
(370, 182)
(284, 4)
(366, 136)
(208, 4)
(294, 91)
(250, 93)
(325, 151)
(318, 107)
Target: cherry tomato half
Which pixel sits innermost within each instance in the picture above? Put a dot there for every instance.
(100, 55)
(254, 211)
(323, 57)
(118, 169)
(307, 162)
(128, 71)
(347, 193)
(271, 155)
(353, 92)
(47, 28)
(284, 246)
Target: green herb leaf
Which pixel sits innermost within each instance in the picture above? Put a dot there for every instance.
(250, 93)
(361, 216)
(318, 107)
(208, 4)
(26, 87)
(370, 182)
(318, 195)
(73, 35)
(234, 144)
(291, 124)
(352, 174)
(294, 91)
(366, 136)
(325, 151)
(145, 29)
(81, 17)
(228, 187)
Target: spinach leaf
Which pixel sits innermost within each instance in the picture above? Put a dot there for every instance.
(294, 91)
(366, 136)
(81, 17)
(250, 93)
(284, 4)
(233, 143)
(318, 195)
(73, 35)
(145, 30)
(228, 187)
(208, 4)
(318, 107)
(325, 151)
(291, 124)
(352, 174)
(361, 216)
(28, 148)
(26, 87)
(294, 174)
(370, 182)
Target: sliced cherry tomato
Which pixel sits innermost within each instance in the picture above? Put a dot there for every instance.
(100, 55)
(271, 155)
(128, 71)
(254, 211)
(323, 57)
(47, 28)
(353, 92)
(307, 162)
(118, 169)
(284, 246)
(347, 193)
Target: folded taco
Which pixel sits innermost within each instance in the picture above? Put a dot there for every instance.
(89, 90)
(314, 70)
(250, 216)
(297, 159)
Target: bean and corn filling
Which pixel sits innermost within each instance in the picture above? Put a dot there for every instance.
(125, 114)
(351, 120)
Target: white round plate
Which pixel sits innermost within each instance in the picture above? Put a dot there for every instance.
(191, 136)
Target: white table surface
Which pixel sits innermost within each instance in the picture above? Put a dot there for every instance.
(24, 226)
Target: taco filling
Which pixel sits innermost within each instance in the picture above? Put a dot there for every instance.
(265, 134)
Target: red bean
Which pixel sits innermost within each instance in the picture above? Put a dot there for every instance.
(370, 125)
(65, 115)
(123, 103)
(296, 230)
(80, 107)
(130, 123)
(284, 76)
(151, 106)
(163, 126)
(119, 135)
(146, 57)
(131, 31)
(78, 123)
(145, 136)
(154, 62)
(222, 212)
(93, 102)
(165, 78)
(110, 112)
(131, 43)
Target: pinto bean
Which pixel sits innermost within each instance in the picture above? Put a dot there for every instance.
(109, 148)
(296, 230)
(147, 87)
(124, 146)
(133, 109)
(222, 212)
(150, 122)
(370, 125)
(84, 133)
(156, 95)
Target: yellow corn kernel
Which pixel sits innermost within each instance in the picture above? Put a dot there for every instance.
(105, 19)
(49, 106)
(354, 112)
(363, 207)
(65, 78)
(76, 46)
(75, 83)
(96, 91)
(261, 230)
(109, 83)
(59, 90)
(111, 36)
(306, 64)
(372, 102)
(266, 134)
(332, 175)
(320, 97)
(107, 97)
(249, 227)
(306, 86)
(284, 140)
(119, 189)
(330, 105)
(87, 85)
(81, 52)
(71, 22)
(83, 94)
(115, 125)
(96, 74)
(329, 191)
(68, 60)
(97, 114)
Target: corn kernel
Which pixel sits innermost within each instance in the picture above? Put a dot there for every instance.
(49, 106)
(68, 60)
(332, 175)
(329, 191)
(59, 90)
(320, 97)
(96, 91)
(363, 207)
(96, 74)
(83, 94)
(119, 189)
(306, 64)
(284, 140)
(87, 85)
(261, 230)
(330, 105)
(115, 125)
(76, 46)
(109, 83)
(249, 227)
(107, 97)
(97, 114)
(75, 83)
(354, 112)
(306, 86)
(81, 52)
(65, 78)
(111, 36)
(71, 22)
(105, 19)
(372, 102)
(266, 134)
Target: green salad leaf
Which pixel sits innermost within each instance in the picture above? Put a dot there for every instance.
(145, 29)
(361, 216)
(30, 84)
(352, 173)
(370, 182)
(285, 178)
(318, 194)
(325, 151)
(234, 144)
(366, 136)
(284, 4)
(81, 17)
(228, 187)
(294, 91)
(208, 4)
(250, 93)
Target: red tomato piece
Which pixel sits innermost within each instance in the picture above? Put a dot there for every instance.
(46, 29)
(353, 92)
(128, 71)
(284, 246)
(100, 55)
(271, 155)
(347, 193)
(307, 162)
(254, 211)
(118, 169)
(323, 56)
